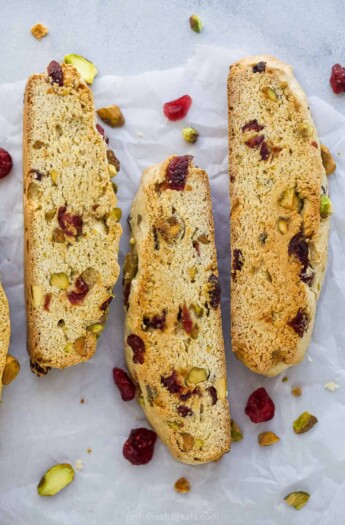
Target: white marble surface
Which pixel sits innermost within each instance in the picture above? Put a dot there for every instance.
(132, 36)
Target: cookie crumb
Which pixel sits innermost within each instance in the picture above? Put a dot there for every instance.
(182, 485)
(296, 391)
(310, 359)
(79, 464)
(89, 450)
(140, 134)
(82, 401)
(39, 31)
(285, 378)
(331, 386)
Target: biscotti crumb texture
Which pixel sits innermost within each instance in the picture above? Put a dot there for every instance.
(173, 335)
(278, 238)
(71, 220)
(4, 332)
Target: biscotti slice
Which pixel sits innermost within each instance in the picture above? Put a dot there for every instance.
(71, 220)
(4, 332)
(279, 215)
(173, 334)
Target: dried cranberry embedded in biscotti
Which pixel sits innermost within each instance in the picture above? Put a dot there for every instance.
(172, 383)
(337, 79)
(5, 163)
(298, 247)
(260, 407)
(139, 447)
(300, 322)
(187, 322)
(102, 133)
(138, 347)
(55, 73)
(252, 125)
(184, 411)
(260, 67)
(157, 322)
(214, 291)
(71, 225)
(213, 393)
(264, 151)
(254, 142)
(124, 384)
(81, 289)
(177, 172)
(177, 109)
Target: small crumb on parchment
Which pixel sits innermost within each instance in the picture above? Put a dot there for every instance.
(331, 386)
(39, 31)
(79, 464)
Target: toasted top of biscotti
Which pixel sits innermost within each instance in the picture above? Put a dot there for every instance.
(174, 313)
(4, 331)
(278, 238)
(71, 221)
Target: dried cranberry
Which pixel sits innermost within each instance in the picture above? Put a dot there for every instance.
(177, 172)
(177, 109)
(260, 406)
(213, 393)
(55, 74)
(82, 289)
(157, 321)
(138, 448)
(260, 67)
(299, 248)
(337, 79)
(5, 163)
(102, 133)
(214, 291)
(71, 225)
(252, 125)
(124, 384)
(196, 246)
(47, 301)
(113, 160)
(138, 347)
(187, 322)
(307, 274)
(186, 396)
(38, 175)
(172, 383)
(237, 261)
(106, 303)
(184, 411)
(254, 142)
(264, 151)
(300, 322)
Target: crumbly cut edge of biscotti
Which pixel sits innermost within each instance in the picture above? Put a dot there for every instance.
(4, 332)
(39, 366)
(141, 238)
(320, 239)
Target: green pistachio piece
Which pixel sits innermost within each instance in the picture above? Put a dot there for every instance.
(60, 280)
(49, 216)
(265, 439)
(11, 370)
(283, 225)
(87, 69)
(116, 214)
(270, 93)
(111, 115)
(130, 267)
(55, 479)
(304, 423)
(199, 311)
(190, 135)
(197, 375)
(195, 23)
(326, 208)
(297, 499)
(96, 329)
(236, 432)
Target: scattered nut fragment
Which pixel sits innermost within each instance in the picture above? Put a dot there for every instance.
(11, 370)
(270, 93)
(39, 31)
(182, 485)
(290, 200)
(37, 294)
(327, 160)
(60, 280)
(304, 423)
(55, 479)
(190, 135)
(197, 375)
(331, 386)
(297, 499)
(87, 69)
(265, 439)
(296, 391)
(326, 208)
(236, 432)
(195, 23)
(111, 115)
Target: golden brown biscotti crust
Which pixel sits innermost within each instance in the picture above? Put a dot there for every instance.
(278, 239)
(182, 377)
(71, 224)
(4, 331)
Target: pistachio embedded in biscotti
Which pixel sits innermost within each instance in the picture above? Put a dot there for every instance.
(290, 200)
(116, 214)
(198, 310)
(195, 331)
(327, 160)
(192, 273)
(305, 129)
(11, 370)
(96, 329)
(54, 175)
(60, 280)
(49, 215)
(187, 441)
(326, 208)
(37, 294)
(80, 346)
(68, 348)
(171, 229)
(197, 375)
(58, 236)
(270, 93)
(283, 225)
(220, 385)
(198, 443)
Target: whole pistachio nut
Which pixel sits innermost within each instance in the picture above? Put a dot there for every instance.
(236, 432)
(55, 479)
(327, 160)
(326, 208)
(11, 370)
(265, 439)
(87, 69)
(297, 499)
(190, 135)
(111, 115)
(195, 23)
(304, 422)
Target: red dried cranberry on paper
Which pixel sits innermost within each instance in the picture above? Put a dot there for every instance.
(177, 172)
(172, 383)
(254, 142)
(252, 125)
(5, 163)
(82, 289)
(260, 406)
(187, 322)
(124, 384)
(337, 79)
(71, 225)
(177, 109)
(139, 447)
(55, 73)
(300, 322)
(214, 291)
(138, 347)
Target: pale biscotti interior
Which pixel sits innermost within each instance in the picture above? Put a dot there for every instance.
(182, 377)
(278, 239)
(4, 331)
(71, 222)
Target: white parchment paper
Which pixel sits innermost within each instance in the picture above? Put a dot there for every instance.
(42, 420)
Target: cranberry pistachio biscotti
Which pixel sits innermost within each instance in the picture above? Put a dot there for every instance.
(4, 332)
(279, 215)
(173, 334)
(71, 220)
